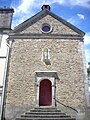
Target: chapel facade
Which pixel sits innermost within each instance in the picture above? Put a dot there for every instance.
(46, 64)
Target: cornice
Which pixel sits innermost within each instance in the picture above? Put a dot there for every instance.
(45, 36)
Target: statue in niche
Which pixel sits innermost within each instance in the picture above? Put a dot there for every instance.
(46, 56)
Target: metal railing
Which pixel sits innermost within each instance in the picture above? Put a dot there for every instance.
(67, 109)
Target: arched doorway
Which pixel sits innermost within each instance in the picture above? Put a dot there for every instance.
(45, 93)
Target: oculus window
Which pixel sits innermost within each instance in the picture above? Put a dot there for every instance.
(46, 28)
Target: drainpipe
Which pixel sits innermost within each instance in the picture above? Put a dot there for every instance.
(0, 38)
(3, 99)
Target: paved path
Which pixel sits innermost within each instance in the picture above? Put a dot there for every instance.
(87, 115)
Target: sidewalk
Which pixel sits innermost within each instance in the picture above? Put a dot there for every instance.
(87, 114)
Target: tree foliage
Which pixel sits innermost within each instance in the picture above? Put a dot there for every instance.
(88, 71)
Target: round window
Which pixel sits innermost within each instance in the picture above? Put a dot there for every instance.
(46, 28)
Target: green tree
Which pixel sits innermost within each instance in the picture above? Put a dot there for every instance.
(88, 71)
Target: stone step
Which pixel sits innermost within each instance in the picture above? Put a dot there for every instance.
(45, 110)
(44, 116)
(45, 113)
(24, 118)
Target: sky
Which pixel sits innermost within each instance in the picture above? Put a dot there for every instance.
(77, 12)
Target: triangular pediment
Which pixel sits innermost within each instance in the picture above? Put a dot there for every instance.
(59, 25)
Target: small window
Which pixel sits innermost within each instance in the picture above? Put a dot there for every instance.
(46, 28)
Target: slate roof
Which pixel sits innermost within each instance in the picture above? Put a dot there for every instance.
(39, 16)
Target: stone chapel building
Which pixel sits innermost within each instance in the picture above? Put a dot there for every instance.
(46, 65)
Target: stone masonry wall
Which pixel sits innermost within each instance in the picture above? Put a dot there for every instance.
(57, 27)
(65, 58)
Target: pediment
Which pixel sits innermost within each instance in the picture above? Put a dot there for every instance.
(59, 26)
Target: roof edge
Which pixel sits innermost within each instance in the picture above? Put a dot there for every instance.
(42, 14)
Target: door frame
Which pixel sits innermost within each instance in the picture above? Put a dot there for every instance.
(41, 75)
(38, 88)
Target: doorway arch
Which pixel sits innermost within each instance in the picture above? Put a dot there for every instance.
(45, 93)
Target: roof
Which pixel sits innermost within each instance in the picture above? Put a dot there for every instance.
(39, 16)
(6, 10)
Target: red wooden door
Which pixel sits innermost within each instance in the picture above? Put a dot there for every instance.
(45, 93)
